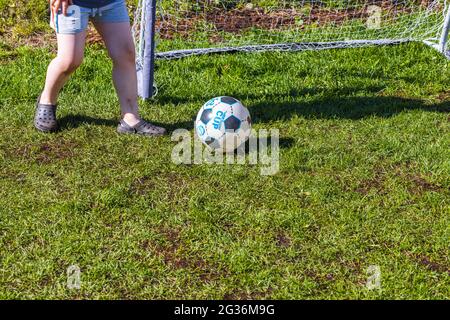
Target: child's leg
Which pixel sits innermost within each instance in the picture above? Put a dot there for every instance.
(70, 55)
(120, 45)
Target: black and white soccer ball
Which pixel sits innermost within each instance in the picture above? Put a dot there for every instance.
(223, 124)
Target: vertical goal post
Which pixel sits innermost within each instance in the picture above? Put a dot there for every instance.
(445, 34)
(183, 28)
(144, 35)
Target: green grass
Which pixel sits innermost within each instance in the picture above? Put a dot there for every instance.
(364, 180)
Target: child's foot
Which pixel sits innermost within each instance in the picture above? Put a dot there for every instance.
(142, 127)
(45, 117)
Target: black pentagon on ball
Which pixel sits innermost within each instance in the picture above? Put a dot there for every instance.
(228, 100)
(232, 123)
(212, 143)
(206, 116)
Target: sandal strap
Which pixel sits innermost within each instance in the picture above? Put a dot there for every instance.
(45, 105)
(138, 126)
(46, 109)
(143, 125)
(49, 107)
(125, 125)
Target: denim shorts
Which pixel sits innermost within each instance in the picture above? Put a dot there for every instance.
(78, 17)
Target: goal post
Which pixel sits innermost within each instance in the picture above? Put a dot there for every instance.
(144, 35)
(443, 44)
(174, 29)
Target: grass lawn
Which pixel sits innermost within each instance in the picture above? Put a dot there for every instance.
(364, 180)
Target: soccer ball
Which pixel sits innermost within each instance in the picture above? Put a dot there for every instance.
(223, 124)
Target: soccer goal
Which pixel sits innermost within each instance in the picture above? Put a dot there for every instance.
(174, 29)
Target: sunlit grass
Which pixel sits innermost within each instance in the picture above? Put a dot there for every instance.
(364, 180)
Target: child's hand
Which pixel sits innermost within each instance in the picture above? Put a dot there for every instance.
(56, 4)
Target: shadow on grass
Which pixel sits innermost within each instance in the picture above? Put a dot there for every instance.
(73, 121)
(273, 108)
(283, 143)
(334, 105)
(354, 108)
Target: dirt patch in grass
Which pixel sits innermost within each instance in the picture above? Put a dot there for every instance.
(443, 96)
(174, 254)
(46, 152)
(283, 240)
(49, 152)
(321, 279)
(421, 185)
(375, 183)
(169, 251)
(414, 183)
(176, 180)
(173, 186)
(18, 177)
(173, 181)
(142, 185)
(354, 266)
(428, 263)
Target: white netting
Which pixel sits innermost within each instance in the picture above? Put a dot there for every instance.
(186, 27)
(138, 31)
(183, 24)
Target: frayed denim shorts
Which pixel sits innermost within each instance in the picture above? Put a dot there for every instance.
(78, 17)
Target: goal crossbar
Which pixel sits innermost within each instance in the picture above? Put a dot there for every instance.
(295, 46)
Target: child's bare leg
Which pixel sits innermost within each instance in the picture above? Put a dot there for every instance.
(69, 57)
(120, 45)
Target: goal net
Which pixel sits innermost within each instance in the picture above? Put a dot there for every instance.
(172, 29)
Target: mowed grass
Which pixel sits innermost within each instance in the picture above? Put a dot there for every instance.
(364, 181)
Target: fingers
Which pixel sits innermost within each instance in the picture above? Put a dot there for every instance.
(64, 4)
(55, 6)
